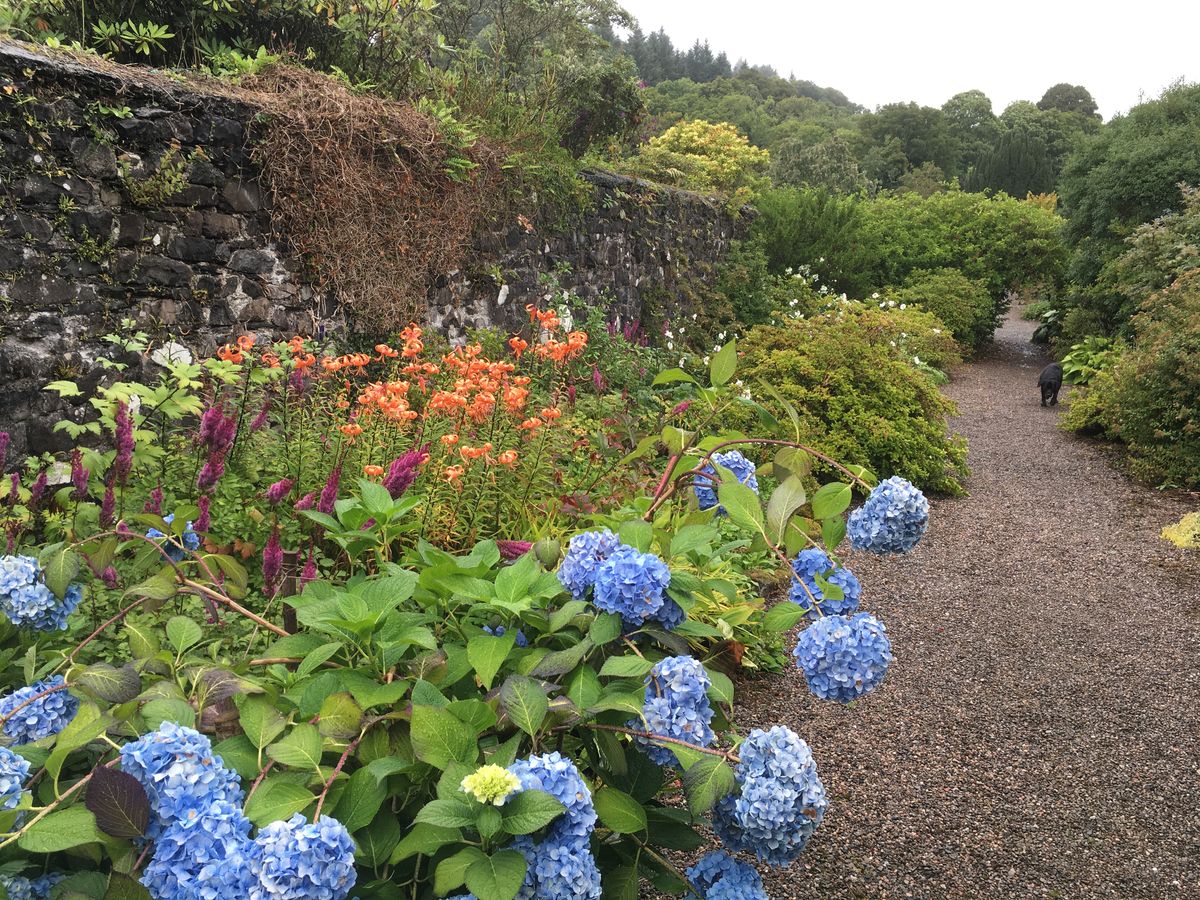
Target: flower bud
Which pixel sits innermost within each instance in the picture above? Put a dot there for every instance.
(548, 552)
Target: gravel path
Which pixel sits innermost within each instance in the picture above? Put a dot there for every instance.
(1038, 734)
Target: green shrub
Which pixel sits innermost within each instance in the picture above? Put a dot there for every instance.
(963, 305)
(706, 157)
(858, 400)
(1088, 358)
(1090, 408)
(1156, 392)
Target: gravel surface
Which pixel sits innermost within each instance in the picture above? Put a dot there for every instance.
(1038, 734)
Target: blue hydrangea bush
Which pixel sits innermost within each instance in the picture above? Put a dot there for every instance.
(511, 721)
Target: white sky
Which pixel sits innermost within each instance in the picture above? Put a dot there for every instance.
(928, 50)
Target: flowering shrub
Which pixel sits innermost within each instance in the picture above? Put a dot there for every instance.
(381, 716)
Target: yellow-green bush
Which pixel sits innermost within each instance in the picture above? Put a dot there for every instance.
(705, 157)
(962, 303)
(859, 400)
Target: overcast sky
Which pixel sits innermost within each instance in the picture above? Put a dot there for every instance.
(928, 50)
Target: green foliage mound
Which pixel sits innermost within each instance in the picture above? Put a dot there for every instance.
(858, 398)
(963, 305)
(1155, 405)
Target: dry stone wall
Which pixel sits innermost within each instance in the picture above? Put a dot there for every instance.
(131, 203)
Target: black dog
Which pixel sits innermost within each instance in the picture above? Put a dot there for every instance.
(1050, 381)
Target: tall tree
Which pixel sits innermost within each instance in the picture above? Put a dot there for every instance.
(922, 132)
(1018, 164)
(973, 124)
(1070, 98)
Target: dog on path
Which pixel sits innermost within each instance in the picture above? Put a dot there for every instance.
(1050, 381)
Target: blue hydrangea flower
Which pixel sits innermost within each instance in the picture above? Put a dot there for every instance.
(298, 860)
(43, 717)
(172, 546)
(500, 631)
(557, 775)
(21, 888)
(585, 553)
(27, 602)
(706, 487)
(207, 858)
(180, 774)
(676, 707)
(892, 519)
(721, 877)
(631, 583)
(842, 657)
(558, 869)
(14, 771)
(782, 800)
(670, 615)
(812, 562)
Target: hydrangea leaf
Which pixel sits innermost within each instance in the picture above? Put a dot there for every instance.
(782, 616)
(165, 709)
(439, 738)
(707, 781)
(742, 504)
(785, 500)
(360, 801)
(626, 666)
(488, 653)
(276, 799)
(513, 583)
(496, 877)
(833, 530)
(340, 716)
(530, 810)
(583, 688)
(561, 661)
(120, 887)
(831, 499)
(183, 633)
(447, 813)
(606, 627)
(452, 871)
(424, 839)
(261, 721)
(59, 568)
(620, 812)
(300, 748)
(118, 802)
(61, 830)
(723, 365)
(377, 842)
(525, 702)
(671, 828)
(621, 883)
(637, 534)
(110, 684)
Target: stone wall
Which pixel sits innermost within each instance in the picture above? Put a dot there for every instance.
(129, 202)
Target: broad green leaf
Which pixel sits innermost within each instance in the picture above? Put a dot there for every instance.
(693, 537)
(583, 688)
(109, 684)
(376, 843)
(621, 883)
(120, 887)
(525, 702)
(782, 616)
(565, 614)
(61, 830)
(670, 376)
(626, 667)
(722, 686)
(317, 657)
(261, 721)
(360, 801)
(513, 583)
(59, 570)
(707, 781)
(143, 641)
(623, 702)
(425, 840)
(561, 661)
(618, 811)
(160, 586)
(606, 627)
(487, 654)
(439, 738)
(833, 530)
(831, 500)
(497, 877)
(277, 799)
(340, 717)
(166, 709)
(637, 534)
(183, 633)
(742, 505)
(723, 365)
(299, 749)
(447, 813)
(452, 871)
(785, 500)
(530, 810)
(475, 713)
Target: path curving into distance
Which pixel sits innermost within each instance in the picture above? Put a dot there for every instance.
(1038, 734)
